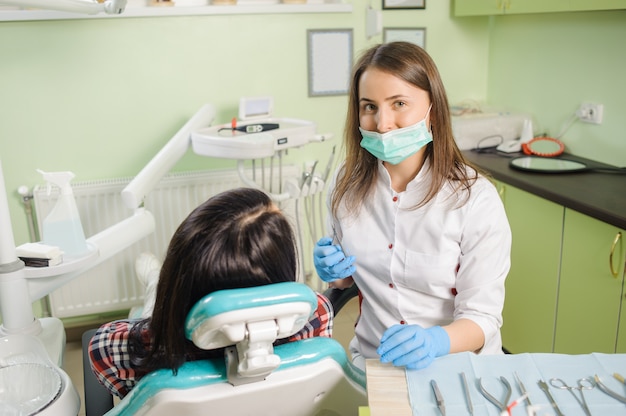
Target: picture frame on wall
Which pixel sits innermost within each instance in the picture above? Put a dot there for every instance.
(404, 4)
(329, 53)
(416, 35)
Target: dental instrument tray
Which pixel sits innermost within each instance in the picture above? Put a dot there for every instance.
(226, 141)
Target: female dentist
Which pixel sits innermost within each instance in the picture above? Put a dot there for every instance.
(421, 232)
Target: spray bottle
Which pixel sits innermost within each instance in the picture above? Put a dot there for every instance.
(62, 227)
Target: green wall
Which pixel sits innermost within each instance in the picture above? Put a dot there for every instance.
(548, 64)
(100, 97)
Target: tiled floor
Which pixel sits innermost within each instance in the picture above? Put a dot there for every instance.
(343, 331)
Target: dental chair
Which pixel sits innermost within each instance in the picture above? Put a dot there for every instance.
(308, 377)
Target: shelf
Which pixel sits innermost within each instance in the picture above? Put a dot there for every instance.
(7, 15)
(70, 264)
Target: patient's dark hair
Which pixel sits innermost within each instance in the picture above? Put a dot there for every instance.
(236, 239)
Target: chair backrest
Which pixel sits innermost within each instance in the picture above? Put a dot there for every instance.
(314, 378)
(308, 377)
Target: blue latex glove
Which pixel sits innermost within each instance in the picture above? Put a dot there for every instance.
(413, 346)
(330, 261)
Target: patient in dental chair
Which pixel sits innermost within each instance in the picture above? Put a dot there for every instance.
(236, 239)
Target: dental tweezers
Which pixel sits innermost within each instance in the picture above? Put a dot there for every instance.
(438, 398)
(522, 389)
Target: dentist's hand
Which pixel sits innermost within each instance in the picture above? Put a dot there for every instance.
(413, 346)
(330, 261)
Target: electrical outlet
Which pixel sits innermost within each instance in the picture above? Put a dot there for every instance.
(590, 113)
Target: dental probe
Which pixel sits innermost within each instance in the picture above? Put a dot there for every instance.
(522, 388)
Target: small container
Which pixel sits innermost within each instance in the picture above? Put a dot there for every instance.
(62, 227)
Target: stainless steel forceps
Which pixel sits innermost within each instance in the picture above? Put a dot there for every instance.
(581, 385)
(500, 405)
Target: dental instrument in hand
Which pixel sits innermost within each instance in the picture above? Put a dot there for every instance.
(544, 386)
(608, 391)
(468, 398)
(305, 197)
(329, 165)
(581, 385)
(330, 262)
(438, 398)
(337, 241)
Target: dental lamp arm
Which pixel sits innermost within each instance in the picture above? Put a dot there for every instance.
(73, 6)
(135, 192)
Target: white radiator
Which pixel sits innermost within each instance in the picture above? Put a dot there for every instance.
(113, 285)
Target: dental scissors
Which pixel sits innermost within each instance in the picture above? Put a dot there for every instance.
(500, 405)
(581, 385)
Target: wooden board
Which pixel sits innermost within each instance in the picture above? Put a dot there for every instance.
(387, 392)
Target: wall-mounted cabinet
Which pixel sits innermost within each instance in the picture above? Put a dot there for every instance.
(500, 7)
(135, 11)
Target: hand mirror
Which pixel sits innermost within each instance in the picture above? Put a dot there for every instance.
(547, 165)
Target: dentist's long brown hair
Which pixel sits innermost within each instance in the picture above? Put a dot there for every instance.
(412, 64)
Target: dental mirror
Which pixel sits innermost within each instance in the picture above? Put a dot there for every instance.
(547, 165)
(543, 146)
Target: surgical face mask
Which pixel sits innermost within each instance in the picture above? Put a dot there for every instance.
(396, 145)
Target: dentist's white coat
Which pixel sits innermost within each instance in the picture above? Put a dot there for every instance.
(442, 262)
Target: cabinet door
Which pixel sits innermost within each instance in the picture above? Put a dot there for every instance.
(578, 5)
(589, 295)
(532, 284)
(618, 260)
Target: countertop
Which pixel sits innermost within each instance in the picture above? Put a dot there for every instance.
(598, 195)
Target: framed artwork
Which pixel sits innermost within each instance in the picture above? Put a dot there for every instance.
(404, 4)
(329, 61)
(416, 35)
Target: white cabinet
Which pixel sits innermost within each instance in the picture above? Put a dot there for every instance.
(278, 8)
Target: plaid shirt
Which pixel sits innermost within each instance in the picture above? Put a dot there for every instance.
(110, 358)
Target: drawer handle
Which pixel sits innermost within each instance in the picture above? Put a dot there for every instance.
(618, 237)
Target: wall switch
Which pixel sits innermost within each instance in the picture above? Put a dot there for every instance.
(590, 113)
